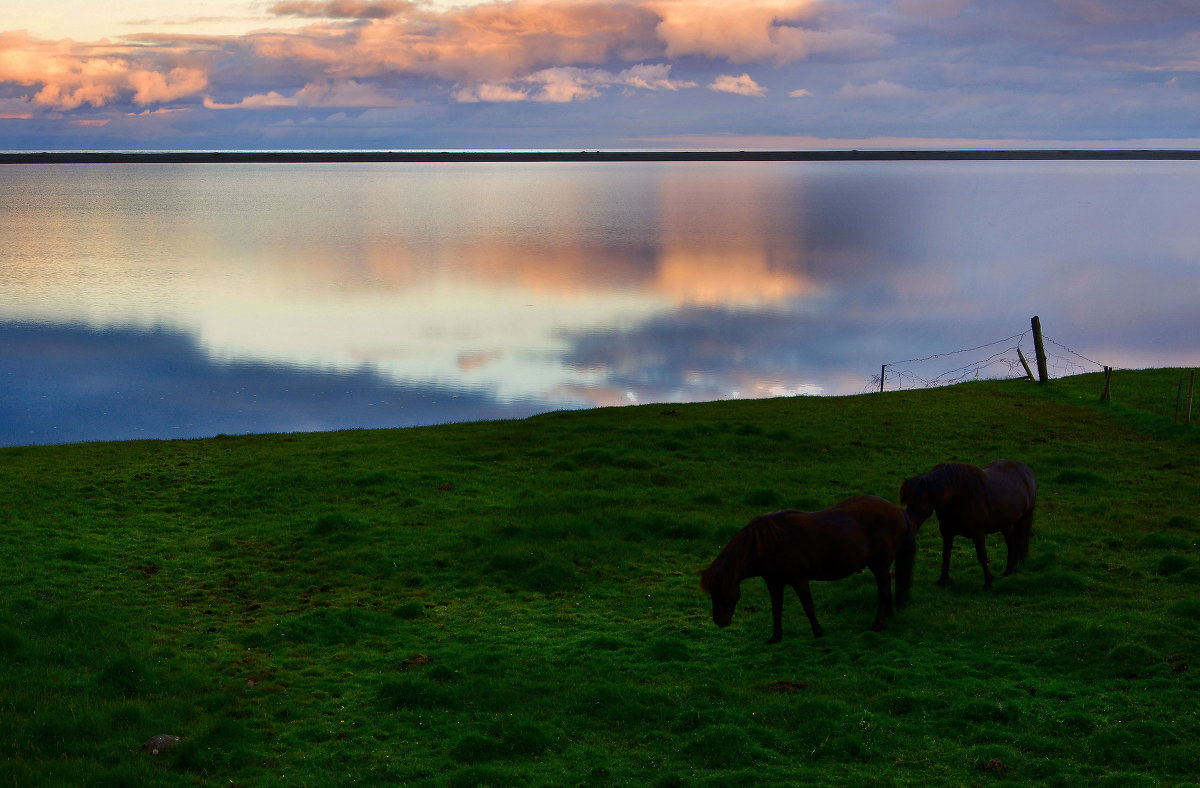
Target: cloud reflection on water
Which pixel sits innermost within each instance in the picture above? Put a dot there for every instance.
(231, 299)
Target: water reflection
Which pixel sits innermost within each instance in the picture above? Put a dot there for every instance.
(181, 300)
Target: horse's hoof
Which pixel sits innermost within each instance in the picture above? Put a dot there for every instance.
(774, 639)
(818, 633)
(943, 583)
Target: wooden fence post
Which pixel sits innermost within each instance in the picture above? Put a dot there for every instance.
(1024, 363)
(1106, 395)
(1191, 385)
(1039, 348)
(882, 372)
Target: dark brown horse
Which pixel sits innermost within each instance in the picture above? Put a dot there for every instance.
(973, 502)
(793, 547)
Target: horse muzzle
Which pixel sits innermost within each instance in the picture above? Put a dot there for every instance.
(722, 619)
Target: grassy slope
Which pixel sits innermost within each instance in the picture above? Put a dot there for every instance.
(516, 602)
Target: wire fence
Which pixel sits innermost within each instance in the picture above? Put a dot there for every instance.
(999, 359)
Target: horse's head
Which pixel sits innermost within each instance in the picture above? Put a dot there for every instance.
(725, 591)
(917, 499)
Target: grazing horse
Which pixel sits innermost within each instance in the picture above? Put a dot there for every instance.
(971, 501)
(793, 547)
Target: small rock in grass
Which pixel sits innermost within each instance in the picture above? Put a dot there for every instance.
(156, 745)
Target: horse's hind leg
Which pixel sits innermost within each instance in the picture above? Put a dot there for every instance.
(1012, 540)
(883, 586)
(981, 554)
(775, 588)
(805, 594)
(947, 546)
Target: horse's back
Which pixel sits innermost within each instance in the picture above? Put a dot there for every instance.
(843, 539)
(870, 512)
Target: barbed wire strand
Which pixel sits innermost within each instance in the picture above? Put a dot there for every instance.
(950, 377)
(1072, 352)
(954, 352)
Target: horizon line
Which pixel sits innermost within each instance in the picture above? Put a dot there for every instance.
(597, 155)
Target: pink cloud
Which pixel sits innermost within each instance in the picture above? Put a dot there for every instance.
(68, 76)
(741, 86)
(526, 50)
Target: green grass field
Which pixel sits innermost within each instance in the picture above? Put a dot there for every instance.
(517, 603)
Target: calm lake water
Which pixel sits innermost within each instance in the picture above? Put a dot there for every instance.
(168, 301)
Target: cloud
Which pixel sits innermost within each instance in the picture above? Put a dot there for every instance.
(742, 86)
(343, 9)
(315, 94)
(154, 87)
(745, 32)
(68, 76)
(566, 84)
(881, 89)
(552, 51)
(1081, 69)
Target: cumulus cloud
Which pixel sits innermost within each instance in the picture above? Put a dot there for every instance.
(742, 86)
(541, 50)
(984, 63)
(565, 84)
(68, 76)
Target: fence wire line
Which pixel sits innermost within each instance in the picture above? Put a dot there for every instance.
(954, 352)
(1072, 352)
(959, 374)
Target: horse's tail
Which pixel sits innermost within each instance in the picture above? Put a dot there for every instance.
(906, 559)
(1025, 524)
(1024, 534)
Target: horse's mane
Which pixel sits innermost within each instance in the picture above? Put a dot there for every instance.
(760, 536)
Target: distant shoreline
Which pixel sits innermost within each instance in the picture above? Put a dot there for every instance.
(374, 156)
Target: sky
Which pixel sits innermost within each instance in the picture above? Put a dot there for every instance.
(592, 74)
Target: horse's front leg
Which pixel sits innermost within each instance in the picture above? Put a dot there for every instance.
(981, 554)
(775, 587)
(883, 587)
(805, 594)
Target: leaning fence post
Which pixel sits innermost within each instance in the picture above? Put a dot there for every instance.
(1024, 363)
(1039, 348)
(1106, 394)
